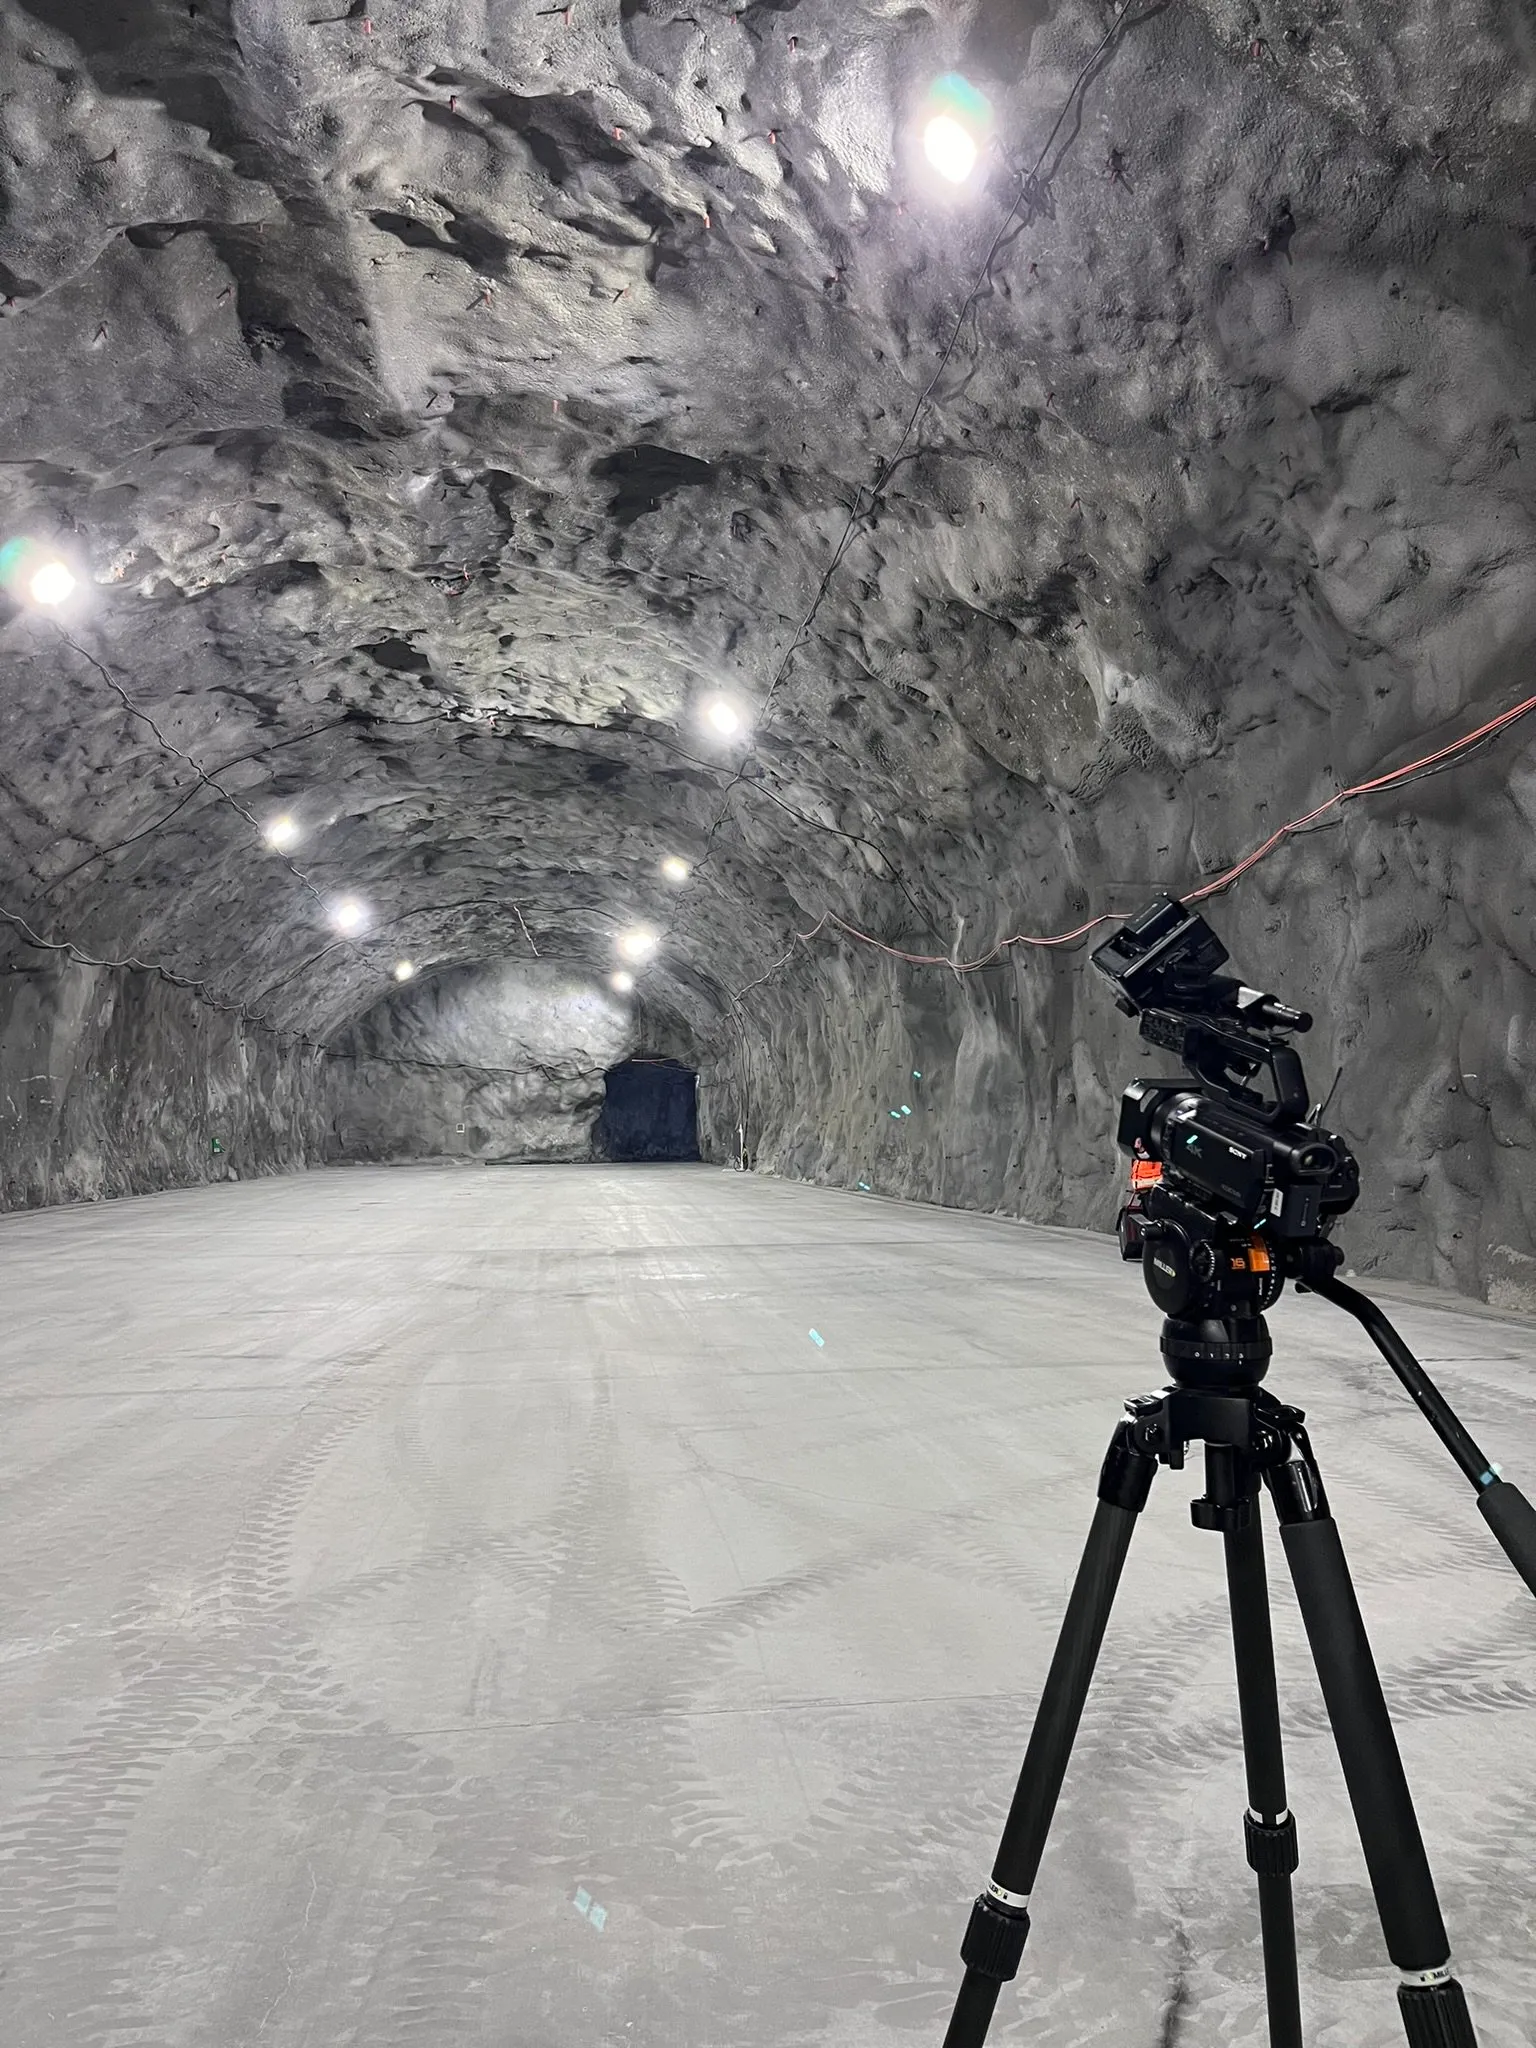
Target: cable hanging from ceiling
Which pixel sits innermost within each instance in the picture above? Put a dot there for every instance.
(1030, 191)
(347, 915)
(201, 989)
(205, 992)
(1449, 756)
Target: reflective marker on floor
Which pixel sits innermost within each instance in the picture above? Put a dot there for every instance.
(818, 1340)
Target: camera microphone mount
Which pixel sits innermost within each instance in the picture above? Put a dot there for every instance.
(1234, 1190)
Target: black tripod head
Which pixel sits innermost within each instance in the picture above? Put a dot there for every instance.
(1235, 1185)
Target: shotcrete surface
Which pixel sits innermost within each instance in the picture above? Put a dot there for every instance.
(396, 1561)
(478, 1063)
(440, 402)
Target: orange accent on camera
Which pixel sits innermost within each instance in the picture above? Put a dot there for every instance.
(1145, 1173)
(1258, 1255)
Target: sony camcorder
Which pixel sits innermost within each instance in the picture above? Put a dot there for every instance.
(1234, 1185)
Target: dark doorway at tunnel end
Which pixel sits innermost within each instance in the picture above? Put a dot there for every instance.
(650, 1111)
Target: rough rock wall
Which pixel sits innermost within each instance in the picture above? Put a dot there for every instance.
(439, 400)
(502, 1063)
(1410, 938)
(113, 1083)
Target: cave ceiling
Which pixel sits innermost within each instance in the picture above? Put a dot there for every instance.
(443, 401)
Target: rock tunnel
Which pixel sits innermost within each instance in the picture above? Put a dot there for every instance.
(602, 606)
(494, 452)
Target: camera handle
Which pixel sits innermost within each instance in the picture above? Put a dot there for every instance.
(1227, 1056)
(1503, 1507)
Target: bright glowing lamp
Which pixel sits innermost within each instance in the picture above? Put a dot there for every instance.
(348, 915)
(623, 981)
(721, 714)
(958, 124)
(950, 150)
(51, 583)
(36, 574)
(404, 969)
(675, 869)
(637, 944)
(281, 832)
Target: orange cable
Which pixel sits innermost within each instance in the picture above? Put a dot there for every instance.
(1393, 778)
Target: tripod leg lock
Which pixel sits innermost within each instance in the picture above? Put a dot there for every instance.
(1435, 2013)
(994, 1941)
(1272, 1850)
(1125, 1479)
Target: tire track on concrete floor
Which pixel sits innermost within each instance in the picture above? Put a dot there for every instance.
(554, 1820)
(499, 1853)
(61, 1856)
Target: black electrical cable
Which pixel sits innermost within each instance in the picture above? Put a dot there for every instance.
(204, 780)
(202, 991)
(1029, 190)
(168, 746)
(195, 789)
(1452, 754)
(210, 780)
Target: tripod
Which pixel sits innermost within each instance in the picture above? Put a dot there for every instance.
(1251, 1440)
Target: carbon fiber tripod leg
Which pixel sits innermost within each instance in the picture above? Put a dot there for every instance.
(1433, 2005)
(999, 1925)
(1268, 1825)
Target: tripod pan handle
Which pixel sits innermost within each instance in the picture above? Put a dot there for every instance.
(1513, 1520)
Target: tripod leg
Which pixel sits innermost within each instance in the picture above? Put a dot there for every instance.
(1268, 1825)
(999, 1924)
(1433, 2005)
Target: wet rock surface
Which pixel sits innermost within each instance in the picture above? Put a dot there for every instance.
(441, 402)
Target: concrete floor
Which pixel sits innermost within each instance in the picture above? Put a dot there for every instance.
(393, 1560)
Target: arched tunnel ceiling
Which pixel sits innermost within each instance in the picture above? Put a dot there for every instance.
(444, 397)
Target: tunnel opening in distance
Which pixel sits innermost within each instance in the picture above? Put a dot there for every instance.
(650, 1111)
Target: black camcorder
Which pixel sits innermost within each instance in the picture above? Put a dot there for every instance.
(1235, 1185)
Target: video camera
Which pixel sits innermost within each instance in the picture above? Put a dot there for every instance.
(1234, 1184)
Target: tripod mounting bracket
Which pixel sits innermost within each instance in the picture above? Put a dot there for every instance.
(1162, 1424)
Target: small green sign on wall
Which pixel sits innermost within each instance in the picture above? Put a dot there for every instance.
(217, 1146)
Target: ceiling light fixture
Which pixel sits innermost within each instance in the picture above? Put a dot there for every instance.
(722, 716)
(36, 574)
(958, 125)
(623, 981)
(404, 969)
(281, 832)
(950, 150)
(51, 583)
(675, 868)
(348, 915)
(637, 944)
